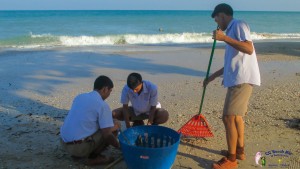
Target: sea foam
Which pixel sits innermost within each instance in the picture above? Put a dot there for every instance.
(48, 40)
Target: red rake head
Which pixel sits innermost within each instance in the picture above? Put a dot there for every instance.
(196, 127)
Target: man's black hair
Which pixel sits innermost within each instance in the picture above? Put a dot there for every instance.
(103, 81)
(222, 8)
(133, 80)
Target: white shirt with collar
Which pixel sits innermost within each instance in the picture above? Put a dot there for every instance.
(142, 102)
(240, 67)
(88, 114)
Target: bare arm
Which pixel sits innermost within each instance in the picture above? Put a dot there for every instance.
(242, 46)
(109, 137)
(126, 115)
(151, 115)
(117, 125)
(213, 76)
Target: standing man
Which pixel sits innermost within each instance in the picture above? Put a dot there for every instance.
(89, 126)
(143, 96)
(240, 73)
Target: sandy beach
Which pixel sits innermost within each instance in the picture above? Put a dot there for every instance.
(37, 88)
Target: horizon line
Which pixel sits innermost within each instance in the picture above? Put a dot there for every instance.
(140, 10)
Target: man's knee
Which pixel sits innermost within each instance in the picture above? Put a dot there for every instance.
(239, 120)
(228, 119)
(166, 114)
(162, 115)
(117, 113)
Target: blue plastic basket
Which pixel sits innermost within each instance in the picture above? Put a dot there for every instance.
(149, 147)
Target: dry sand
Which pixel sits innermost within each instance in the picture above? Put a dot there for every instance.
(38, 86)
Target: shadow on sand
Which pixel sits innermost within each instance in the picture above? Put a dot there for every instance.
(39, 73)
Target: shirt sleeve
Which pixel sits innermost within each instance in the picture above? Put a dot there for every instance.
(242, 31)
(124, 95)
(105, 117)
(153, 96)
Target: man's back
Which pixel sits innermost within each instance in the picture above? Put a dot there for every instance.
(88, 113)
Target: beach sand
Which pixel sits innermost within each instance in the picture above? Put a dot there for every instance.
(37, 88)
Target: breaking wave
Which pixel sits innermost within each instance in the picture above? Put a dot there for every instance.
(48, 40)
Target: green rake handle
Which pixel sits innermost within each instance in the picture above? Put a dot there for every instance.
(207, 74)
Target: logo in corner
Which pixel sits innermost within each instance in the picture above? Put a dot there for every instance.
(275, 158)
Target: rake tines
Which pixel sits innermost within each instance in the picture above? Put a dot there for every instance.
(196, 127)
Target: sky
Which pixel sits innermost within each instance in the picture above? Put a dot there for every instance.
(238, 5)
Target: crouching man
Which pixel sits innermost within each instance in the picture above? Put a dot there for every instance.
(89, 126)
(143, 96)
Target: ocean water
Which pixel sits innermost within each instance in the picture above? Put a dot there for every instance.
(38, 29)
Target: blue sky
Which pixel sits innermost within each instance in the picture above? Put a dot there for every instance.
(248, 5)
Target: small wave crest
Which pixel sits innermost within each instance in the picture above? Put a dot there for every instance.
(265, 36)
(136, 39)
(48, 40)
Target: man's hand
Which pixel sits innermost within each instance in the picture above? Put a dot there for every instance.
(117, 125)
(109, 137)
(126, 115)
(151, 115)
(213, 76)
(149, 122)
(127, 124)
(208, 80)
(219, 35)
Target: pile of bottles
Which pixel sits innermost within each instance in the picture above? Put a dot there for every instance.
(153, 141)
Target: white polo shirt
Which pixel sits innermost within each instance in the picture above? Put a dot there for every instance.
(143, 102)
(88, 114)
(240, 67)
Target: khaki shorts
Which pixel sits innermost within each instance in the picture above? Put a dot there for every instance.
(237, 98)
(86, 148)
(133, 117)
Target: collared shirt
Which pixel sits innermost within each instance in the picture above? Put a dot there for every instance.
(88, 114)
(142, 102)
(239, 67)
